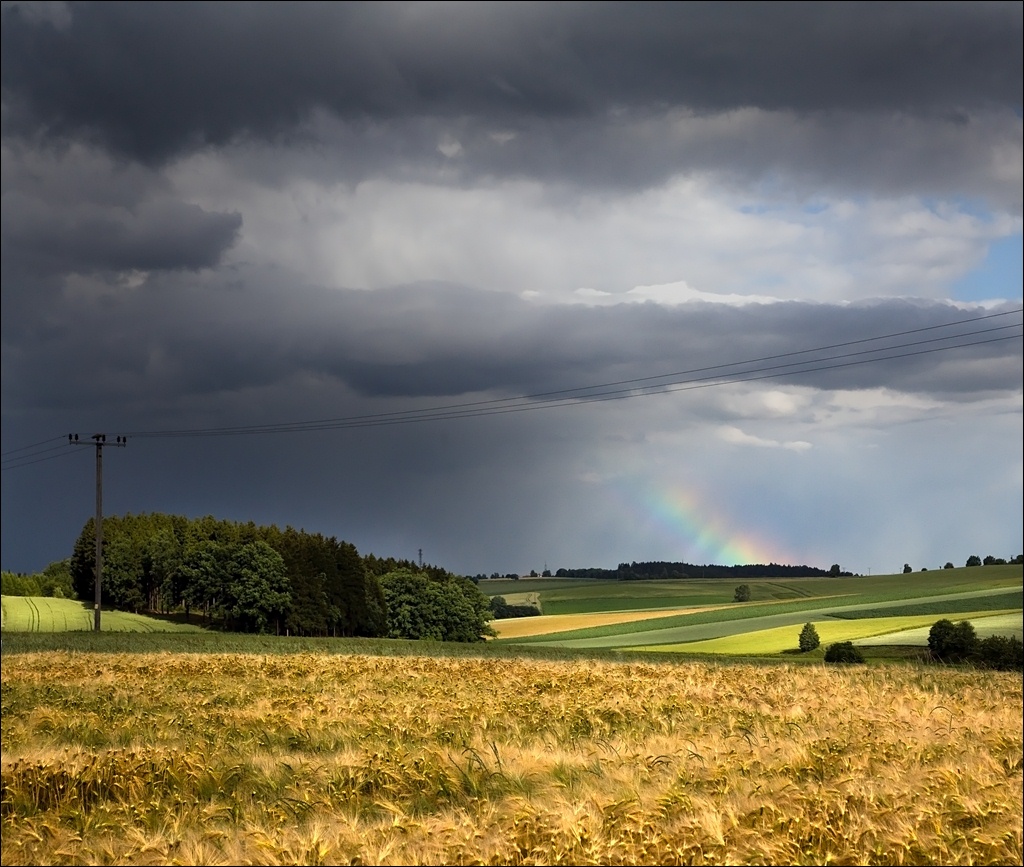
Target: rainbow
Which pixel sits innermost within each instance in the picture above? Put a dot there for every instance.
(702, 534)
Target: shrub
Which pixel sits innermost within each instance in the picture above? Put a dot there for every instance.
(843, 651)
(503, 609)
(809, 638)
(952, 642)
(742, 593)
(1004, 653)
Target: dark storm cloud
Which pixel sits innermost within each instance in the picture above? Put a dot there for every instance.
(152, 236)
(243, 332)
(75, 212)
(152, 80)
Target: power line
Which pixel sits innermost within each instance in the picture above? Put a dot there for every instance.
(33, 445)
(28, 460)
(713, 375)
(748, 370)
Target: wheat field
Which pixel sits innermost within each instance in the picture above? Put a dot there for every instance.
(233, 758)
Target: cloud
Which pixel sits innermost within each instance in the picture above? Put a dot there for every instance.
(77, 212)
(736, 436)
(613, 94)
(512, 276)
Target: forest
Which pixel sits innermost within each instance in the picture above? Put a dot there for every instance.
(249, 578)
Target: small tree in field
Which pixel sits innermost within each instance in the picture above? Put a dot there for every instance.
(952, 642)
(742, 593)
(809, 638)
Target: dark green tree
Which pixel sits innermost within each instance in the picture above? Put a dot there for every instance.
(742, 593)
(974, 560)
(204, 574)
(56, 580)
(1001, 652)
(122, 572)
(256, 596)
(843, 652)
(809, 638)
(952, 642)
(446, 609)
(16, 584)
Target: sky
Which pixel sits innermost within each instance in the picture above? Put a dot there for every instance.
(519, 286)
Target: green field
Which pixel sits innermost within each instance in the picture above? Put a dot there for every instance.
(881, 604)
(880, 630)
(45, 614)
(876, 611)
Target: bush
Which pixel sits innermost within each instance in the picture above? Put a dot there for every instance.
(503, 610)
(952, 642)
(809, 638)
(843, 651)
(742, 593)
(1001, 652)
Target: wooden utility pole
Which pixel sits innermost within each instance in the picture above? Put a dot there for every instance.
(99, 440)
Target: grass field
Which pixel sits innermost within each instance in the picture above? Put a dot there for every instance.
(880, 631)
(678, 616)
(776, 608)
(44, 614)
(582, 596)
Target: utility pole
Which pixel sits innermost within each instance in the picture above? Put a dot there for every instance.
(100, 441)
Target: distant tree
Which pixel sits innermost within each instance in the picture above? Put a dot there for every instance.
(503, 610)
(446, 609)
(952, 642)
(123, 573)
(742, 593)
(974, 560)
(546, 573)
(906, 568)
(16, 584)
(1001, 652)
(993, 561)
(256, 596)
(844, 652)
(203, 575)
(809, 638)
(835, 571)
(948, 565)
(1018, 559)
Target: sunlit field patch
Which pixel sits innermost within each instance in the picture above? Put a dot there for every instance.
(234, 758)
(46, 614)
(546, 624)
(985, 624)
(785, 638)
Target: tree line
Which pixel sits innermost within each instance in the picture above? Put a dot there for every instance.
(638, 571)
(246, 577)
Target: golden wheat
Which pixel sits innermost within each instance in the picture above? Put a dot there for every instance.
(308, 759)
